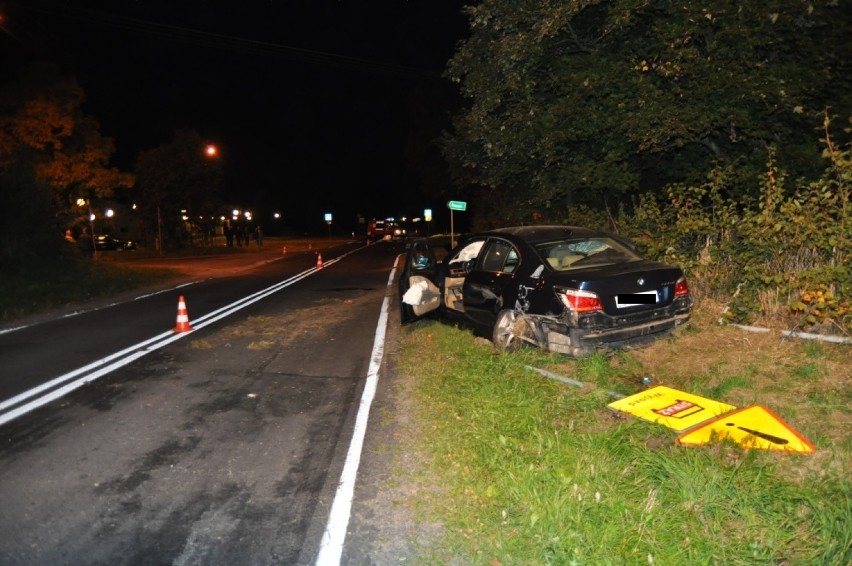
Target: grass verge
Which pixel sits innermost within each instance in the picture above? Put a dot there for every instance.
(526, 470)
(39, 284)
(34, 285)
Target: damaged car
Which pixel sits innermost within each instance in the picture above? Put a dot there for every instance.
(567, 289)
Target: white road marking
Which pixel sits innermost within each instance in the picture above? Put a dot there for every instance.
(107, 306)
(59, 386)
(331, 545)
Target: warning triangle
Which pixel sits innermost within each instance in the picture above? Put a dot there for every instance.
(669, 407)
(752, 427)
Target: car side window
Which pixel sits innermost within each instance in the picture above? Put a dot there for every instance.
(499, 256)
(419, 257)
(464, 257)
(512, 261)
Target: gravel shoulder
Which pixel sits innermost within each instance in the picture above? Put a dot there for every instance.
(386, 527)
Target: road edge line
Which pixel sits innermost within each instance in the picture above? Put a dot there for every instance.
(331, 545)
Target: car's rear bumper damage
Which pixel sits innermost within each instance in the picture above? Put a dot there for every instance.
(604, 332)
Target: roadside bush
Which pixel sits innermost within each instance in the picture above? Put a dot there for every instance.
(693, 229)
(778, 259)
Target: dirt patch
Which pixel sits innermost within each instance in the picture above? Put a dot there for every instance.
(264, 332)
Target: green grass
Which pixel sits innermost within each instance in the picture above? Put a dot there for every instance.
(521, 469)
(38, 284)
(528, 470)
(731, 382)
(35, 285)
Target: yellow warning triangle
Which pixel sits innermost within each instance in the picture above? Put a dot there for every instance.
(752, 427)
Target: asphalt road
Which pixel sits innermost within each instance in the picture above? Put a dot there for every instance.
(223, 446)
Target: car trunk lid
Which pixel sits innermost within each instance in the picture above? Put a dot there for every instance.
(628, 287)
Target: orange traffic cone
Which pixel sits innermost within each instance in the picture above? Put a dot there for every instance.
(319, 260)
(182, 317)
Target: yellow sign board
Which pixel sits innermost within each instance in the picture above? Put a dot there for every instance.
(752, 427)
(675, 409)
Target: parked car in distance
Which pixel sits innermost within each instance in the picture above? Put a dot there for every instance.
(397, 231)
(377, 230)
(567, 289)
(384, 230)
(108, 243)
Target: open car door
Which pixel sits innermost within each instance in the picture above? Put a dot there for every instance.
(419, 289)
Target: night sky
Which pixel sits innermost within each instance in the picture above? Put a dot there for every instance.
(318, 106)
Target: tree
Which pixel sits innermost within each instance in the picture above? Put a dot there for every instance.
(587, 102)
(50, 152)
(178, 179)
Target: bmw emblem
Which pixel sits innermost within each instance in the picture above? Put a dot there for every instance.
(640, 281)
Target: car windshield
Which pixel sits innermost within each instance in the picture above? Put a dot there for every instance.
(569, 254)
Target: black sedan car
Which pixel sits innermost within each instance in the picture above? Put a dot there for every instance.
(108, 243)
(567, 289)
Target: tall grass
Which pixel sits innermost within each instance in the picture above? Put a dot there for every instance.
(534, 471)
(37, 284)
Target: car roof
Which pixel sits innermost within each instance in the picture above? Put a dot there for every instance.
(535, 234)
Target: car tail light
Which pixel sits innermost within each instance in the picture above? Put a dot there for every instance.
(681, 288)
(580, 301)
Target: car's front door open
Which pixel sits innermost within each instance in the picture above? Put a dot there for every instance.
(419, 293)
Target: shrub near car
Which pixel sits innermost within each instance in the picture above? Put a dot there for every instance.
(567, 289)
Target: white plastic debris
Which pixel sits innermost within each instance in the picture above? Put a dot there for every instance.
(416, 294)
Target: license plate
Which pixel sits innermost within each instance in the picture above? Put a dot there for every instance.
(635, 299)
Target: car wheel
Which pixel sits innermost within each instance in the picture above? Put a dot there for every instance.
(511, 329)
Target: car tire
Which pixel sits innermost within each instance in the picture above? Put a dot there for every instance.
(511, 330)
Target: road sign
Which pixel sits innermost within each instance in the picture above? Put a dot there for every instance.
(457, 205)
(675, 409)
(751, 427)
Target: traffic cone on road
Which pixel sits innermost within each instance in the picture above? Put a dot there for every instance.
(182, 317)
(319, 260)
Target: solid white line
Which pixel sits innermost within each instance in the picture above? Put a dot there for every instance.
(107, 306)
(148, 345)
(12, 401)
(69, 387)
(136, 351)
(331, 546)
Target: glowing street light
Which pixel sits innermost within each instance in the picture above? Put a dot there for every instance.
(211, 150)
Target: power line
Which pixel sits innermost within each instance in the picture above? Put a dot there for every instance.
(230, 43)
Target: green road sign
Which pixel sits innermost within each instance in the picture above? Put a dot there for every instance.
(457, 205)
